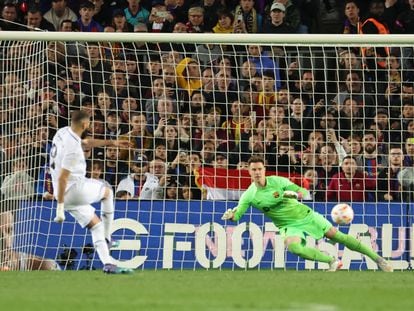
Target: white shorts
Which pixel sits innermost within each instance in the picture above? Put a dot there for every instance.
(80, 196)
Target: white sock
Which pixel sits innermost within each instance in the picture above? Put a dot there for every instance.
(107, 215)
(99, 243)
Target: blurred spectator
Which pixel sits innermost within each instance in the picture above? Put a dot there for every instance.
(103, 103)
(188, 75)
(172, 191)
(86, 23)
(224, 23)
(134, 182)
(267, 97)
(35, 20)
(350, 185)
(350, 118)
(375, 23)
(277, 22)
(114, 170)
(165, 113)
(102, 12)
(238, 122)
(327, 167)
(178, 9)
(156, 180)
(220, 160)
(10, 20)
(372, 160)
(79, 78)
(246, 18)
(66, 26)
(160, 20)
(292, 16)
(135, 13)
(409, 152)
(97, 67)
(18, 185)
(114, 127)
(212, 9)
(355, 88)
(298, 121)
(263, 61)
(160, 150)
(352, 20)
(139, 136)
(119, 88)
(180, 28)
(119, 22)
(388, 187)
(287, 159)
(59, 13)
(195, 22)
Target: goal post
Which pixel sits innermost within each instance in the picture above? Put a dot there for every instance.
(195, 107)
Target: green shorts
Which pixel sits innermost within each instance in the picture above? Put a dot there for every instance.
(314, 225)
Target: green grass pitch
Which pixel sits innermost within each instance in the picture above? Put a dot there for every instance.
(202, 290)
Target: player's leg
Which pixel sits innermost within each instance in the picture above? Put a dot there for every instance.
(295, 242)
(86, 217)
(90, 191)
(356, 245)
(295, 246)
(98, 238)
(107, 212)
(315, 225)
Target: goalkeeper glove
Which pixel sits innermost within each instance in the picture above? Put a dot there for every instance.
(292, 194)
(228, 215)
(60, 213)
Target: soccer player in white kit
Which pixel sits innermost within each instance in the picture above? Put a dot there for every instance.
(75, 193)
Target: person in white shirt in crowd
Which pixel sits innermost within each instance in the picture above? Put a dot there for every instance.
(58, 13)
(156, 180)
(134, 182)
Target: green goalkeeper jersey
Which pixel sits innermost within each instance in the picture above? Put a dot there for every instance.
(269, 199)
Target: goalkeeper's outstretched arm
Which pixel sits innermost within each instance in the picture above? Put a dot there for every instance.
(236, 213)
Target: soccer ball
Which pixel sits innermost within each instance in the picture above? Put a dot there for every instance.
(342, 214)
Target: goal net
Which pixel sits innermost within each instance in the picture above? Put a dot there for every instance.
(335, 115)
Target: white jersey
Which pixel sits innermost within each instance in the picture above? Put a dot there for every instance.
(67, 153)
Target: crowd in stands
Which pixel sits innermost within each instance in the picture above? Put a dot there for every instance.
(343, 118)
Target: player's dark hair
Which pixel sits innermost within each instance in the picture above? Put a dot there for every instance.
(79, 115)
(256, 159)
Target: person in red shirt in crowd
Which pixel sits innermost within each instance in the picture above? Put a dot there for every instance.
(350, 184)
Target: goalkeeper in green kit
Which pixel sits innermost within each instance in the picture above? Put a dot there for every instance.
(277, 197)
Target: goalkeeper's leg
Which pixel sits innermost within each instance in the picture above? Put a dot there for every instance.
(356, 245)
(351, 242)
(295, 246)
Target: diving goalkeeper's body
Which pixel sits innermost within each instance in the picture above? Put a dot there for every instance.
(277, 197)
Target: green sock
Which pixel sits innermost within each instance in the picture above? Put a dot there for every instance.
(309, 253)
(354, 245)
